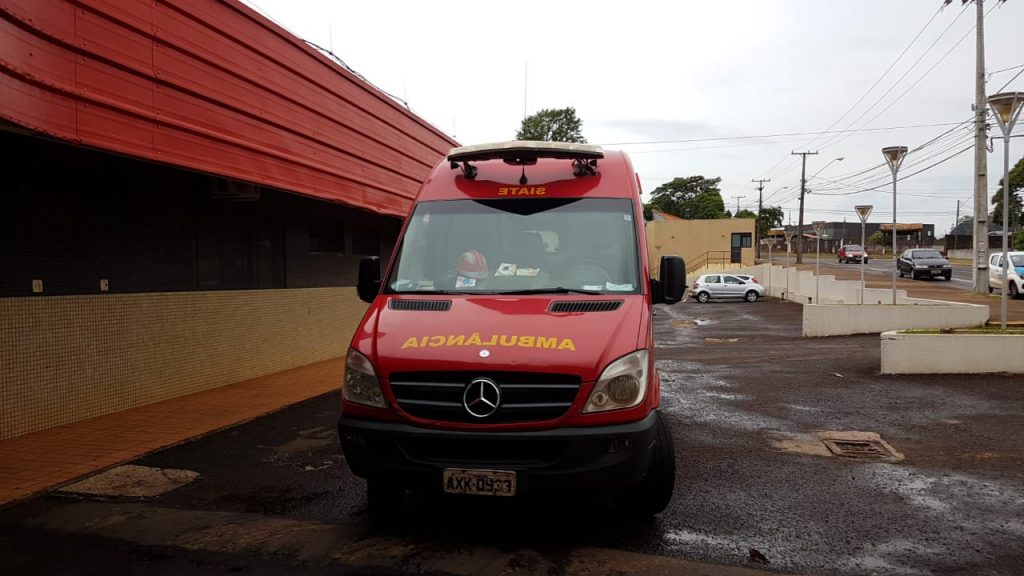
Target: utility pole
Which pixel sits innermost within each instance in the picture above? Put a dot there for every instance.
(955, 223)
(980, 160)
(760, 207)
(737, 205)
(803, 190)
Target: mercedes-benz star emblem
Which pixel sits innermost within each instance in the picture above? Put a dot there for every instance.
(482, 397)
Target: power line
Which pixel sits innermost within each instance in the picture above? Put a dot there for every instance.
(778, 135)
(861, 99)
(838, 139)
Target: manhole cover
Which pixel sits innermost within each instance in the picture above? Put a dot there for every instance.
(860, 446)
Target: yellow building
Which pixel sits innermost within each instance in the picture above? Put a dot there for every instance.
(704, 244)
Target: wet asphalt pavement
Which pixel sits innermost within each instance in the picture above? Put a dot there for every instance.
(744, 395)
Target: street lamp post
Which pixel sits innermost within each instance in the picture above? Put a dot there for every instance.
(819, 227)
(894, 158)
(863, 211)
(1007, 107)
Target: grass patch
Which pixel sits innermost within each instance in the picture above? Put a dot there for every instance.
(978, 330)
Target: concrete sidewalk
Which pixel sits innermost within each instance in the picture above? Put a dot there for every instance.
(48, 459)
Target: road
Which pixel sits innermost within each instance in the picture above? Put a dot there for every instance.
(745, 396)
(878, 270)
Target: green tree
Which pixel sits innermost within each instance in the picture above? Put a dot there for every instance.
(770, 217)
(1016, 206)
(878, 237)
(693, 198)
(1018, 240)
(746, 214)
(552, 125)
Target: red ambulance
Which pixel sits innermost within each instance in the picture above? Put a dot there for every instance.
(508, 347)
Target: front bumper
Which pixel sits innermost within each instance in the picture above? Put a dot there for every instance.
(591, 457)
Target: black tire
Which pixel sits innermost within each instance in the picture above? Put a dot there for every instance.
(385, 500)
(899, 272)
(703, 297)
(841, 261)
(990, 289)
(1013, 292)
(865, 260)
(654, 492)
(948, 277)
(750, 296)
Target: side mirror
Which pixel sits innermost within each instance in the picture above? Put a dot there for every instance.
(672, 285)
(369, 278)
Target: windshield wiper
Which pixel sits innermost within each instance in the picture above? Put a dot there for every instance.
(555, 290)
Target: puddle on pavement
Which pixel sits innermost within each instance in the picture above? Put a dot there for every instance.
(131, 481)
(690, 323)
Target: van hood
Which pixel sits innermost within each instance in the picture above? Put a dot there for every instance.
(502, 333)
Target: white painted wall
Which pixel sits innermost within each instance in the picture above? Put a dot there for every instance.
(841, 319)
(929, 353)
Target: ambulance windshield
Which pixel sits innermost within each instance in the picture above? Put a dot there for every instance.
(519, 246)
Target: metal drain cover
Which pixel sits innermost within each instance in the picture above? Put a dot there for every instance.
(860, 446)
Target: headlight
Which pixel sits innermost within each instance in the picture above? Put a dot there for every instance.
(361, 386)
(622, 384)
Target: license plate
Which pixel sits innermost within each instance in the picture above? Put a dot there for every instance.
(936, 272)
(480, 482)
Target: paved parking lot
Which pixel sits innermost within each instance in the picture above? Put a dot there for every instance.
(747, 400)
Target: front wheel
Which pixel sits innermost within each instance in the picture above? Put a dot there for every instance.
(1013, 292)
(948, 277)
(654, 492)
(750, 296)
(703, 297)
(865, 260)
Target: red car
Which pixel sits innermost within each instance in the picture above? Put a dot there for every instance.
(852, 253)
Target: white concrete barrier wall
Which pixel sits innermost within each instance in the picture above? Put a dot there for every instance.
(800, 286)
(842, 319)
(929, 353)
(832, 307)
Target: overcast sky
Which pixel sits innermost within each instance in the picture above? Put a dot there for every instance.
(692, 76)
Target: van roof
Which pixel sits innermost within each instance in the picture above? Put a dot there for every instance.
(518, 169)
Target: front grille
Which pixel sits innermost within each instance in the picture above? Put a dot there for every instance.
(525, 396)
(481, 452)
(585, 306)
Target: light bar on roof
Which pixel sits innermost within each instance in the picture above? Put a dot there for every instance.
(525, 151)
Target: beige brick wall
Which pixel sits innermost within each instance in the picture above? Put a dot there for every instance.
(68, 358)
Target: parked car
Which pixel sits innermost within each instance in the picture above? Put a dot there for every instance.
(852, 253)
(923, 263)
(1015, 272)
(727, 286)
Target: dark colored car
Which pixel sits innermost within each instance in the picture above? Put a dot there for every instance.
(923, 263)
(852, 253)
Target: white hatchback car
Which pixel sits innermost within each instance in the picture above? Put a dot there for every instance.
(1016, 273)
(732, 286)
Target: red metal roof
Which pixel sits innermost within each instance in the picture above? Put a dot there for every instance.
(215, 87)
